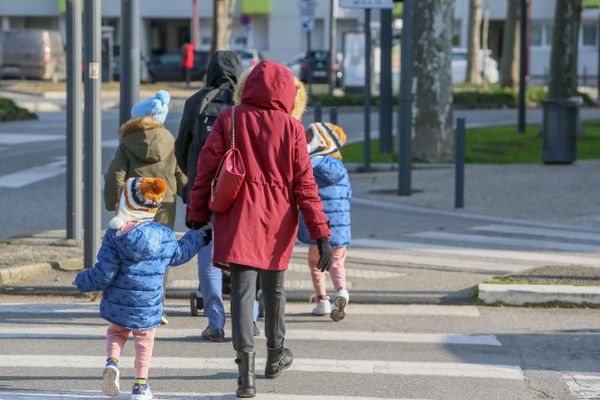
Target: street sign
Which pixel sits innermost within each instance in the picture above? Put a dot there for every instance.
(307, 14)
(367, 3)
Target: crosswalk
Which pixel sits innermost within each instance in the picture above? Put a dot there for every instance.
(60, 347)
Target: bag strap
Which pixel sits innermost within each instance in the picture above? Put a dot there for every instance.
(233, 127)
(210, 96)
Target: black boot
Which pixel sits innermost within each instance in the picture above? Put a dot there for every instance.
(245, 362)
(278, 359)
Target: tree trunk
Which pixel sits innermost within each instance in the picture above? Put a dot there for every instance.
(432, 49)
(474, 50)
(222, 21)
(509, 64)
(563, 58)
(485, 38)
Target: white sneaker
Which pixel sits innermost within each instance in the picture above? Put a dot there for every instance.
(110, 380)
(323, 307)
(342, 298)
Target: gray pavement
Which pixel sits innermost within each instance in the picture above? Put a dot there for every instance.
(53, 348)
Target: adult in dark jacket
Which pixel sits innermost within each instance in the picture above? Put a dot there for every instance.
(223, 71)
(259, 231)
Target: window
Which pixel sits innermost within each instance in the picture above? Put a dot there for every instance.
(536, 34)
(589, 33)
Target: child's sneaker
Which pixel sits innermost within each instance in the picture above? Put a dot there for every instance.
(322, 308)
(341, 301)
(110, 378)
(141, 391)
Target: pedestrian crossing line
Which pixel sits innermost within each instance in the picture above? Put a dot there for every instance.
(363, 367)
(26, 138)
(583, 387)
(513, 242)
(528, 231)
(536, 257)
(82, 395)
(192, 284)
(91, 309)
(31, 175)
(353, 272)
(99, 332)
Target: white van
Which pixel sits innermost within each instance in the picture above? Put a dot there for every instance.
(33, 54)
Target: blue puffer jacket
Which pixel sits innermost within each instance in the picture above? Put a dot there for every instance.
(130, 271)
(335, 192)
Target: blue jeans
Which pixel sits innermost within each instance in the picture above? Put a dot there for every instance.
(211, 287)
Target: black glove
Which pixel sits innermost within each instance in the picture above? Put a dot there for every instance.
(207, 232)
(194, 224)
(325, 254)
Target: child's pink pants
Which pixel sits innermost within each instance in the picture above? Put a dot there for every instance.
(116, 337)
(337, 272)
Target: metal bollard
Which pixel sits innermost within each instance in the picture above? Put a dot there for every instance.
(318, 112)
(333, 115)
(459, 184)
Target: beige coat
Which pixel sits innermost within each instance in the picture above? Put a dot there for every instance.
(146, 149)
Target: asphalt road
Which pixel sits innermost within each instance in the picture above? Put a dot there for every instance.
(55, 351)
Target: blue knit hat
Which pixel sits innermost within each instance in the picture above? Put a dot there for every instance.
(156, 107)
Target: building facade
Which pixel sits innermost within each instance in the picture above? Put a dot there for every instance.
(273, 27)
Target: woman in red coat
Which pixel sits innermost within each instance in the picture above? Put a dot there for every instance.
(259, 231)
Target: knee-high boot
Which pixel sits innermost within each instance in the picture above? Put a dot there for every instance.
(246, 387)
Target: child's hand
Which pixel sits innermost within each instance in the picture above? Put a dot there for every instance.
(207, 233)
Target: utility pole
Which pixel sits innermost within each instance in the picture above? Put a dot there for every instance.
(367, 160)
(523, 66)
(92, 123)
(74, 131)
(385, 83)
(332, 45)
(406, 100)
(130, 57)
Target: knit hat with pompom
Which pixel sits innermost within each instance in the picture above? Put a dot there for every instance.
(139, 200)
(156, 107)
(327, 139)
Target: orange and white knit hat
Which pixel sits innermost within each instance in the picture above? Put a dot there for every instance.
(139, 200)
(327, 139)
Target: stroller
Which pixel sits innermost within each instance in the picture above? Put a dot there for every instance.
(197, 304)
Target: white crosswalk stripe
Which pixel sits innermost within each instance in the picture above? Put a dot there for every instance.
(26, 138)
(35, 174)
(543, 232)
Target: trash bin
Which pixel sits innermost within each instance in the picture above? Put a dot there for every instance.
(559, 131)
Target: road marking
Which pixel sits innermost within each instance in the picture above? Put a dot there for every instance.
(82, 395)
(583, 387)
(98, 332)
(91, 309)
(192, 284)
(552, 233)
(31, 175)
(512, 242)
(463, 215)
(352, 272)
(536, 257)
(110, 143)
(364, 367)
(24, 138)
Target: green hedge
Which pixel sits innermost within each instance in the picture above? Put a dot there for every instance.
(9, 111)
(464, 97)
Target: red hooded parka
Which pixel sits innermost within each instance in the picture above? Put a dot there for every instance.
(260, 229)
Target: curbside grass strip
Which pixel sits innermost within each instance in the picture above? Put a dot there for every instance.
(541, 295)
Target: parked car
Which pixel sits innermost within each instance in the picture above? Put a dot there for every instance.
(168, 66)
(459, 66)
(319, 65)
(250, 57)
(116, 66)
(33, 54)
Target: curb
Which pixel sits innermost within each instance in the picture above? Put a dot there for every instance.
(22, 272)
(525, 295)
(303, 296)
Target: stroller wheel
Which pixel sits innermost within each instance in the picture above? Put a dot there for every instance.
(196, 304)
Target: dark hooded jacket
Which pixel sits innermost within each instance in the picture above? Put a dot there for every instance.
(223, 72)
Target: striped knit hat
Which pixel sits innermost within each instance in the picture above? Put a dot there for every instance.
(139, 200)
(328, 139)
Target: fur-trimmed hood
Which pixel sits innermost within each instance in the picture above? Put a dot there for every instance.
(147, 139)
(299, 104)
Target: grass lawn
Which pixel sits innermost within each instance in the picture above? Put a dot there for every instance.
(496, 145)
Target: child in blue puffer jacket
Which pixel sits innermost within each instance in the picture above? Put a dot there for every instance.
(324, 143)
(132, 262)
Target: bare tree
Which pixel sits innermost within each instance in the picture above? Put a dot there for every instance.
(222, 22)
(509, 64)
(432, 63)
(474, 46)
(563, 59)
